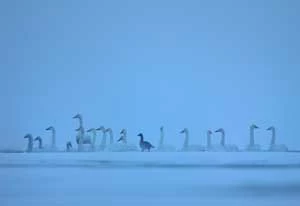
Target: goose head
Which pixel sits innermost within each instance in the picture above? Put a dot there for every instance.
(220, 130)
(271, 128)
(123, 131)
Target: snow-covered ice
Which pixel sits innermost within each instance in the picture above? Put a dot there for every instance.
(135, 178)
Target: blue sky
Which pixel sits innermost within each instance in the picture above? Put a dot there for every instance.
(139, 65)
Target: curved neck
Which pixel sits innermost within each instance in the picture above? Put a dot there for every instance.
(111, 136)
(252, 136)
(30, 144)
(162, 135)
(223, 138)
(53, 138)
(94, 137)
(273, 139)
(186, 140)
(103, 142)
(208, 136)
(40, 143)
(80, 121)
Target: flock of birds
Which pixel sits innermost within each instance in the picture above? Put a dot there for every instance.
(86, 141)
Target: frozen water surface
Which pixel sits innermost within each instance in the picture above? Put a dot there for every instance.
(150, 178)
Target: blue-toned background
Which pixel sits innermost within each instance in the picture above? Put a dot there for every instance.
(143, 64)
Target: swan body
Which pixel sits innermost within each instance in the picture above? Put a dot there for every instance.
(122, 145)
(273, 146)
(190, 148)
(252, 147)
(209, 146)
(144, 145)
(163, 147)
(84, 141)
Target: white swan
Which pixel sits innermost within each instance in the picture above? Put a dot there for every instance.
(225, 147)
(209, 146)
(103, 141)
(30, 142)
(52, 129)
(93, 140)
(163, 147)
(79, 117)
(82, 140)
(39, 139)
(190, 148)
(252, 146)
(273, 146)
(111, 135)
(123, 146)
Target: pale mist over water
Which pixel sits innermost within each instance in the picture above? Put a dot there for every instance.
(137, 65)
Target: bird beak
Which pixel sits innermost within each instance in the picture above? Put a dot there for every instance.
(182, 131)
(120, 139)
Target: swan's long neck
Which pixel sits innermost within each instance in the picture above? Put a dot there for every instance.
(94, 137)
(80, 121)
(53, 138)
(162, 135)
(208, 139)
(223, 138)
(103, 142)
(273, 140)
(111, 136)
(30, 143)
(40, 143)
(186, 140)
(251, 136)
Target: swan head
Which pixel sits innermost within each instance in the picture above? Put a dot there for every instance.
(253, 126)
(77, 116)
(101, 129)
(79, 129)
(140, 135)
(123, 131)
(28, 136)
(37, 138)
(50, 128)
(271, 128)
(108, 130)
(91, 130)
(184, 131)
(120, 139)
(220, 130)
(161, 128)
(209, 132)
